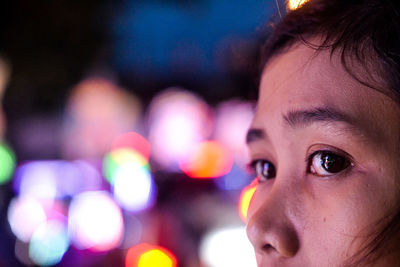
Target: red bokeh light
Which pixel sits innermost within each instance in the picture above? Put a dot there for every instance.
(133, 141)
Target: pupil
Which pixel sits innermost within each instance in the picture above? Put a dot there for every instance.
(333, 163)
(266, 170)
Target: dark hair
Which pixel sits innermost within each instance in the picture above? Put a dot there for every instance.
(365, 33)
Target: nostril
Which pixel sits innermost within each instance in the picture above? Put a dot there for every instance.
(271, 231)
(281, 241)
(268, 248)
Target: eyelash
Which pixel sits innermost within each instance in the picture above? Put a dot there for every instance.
(322, 158)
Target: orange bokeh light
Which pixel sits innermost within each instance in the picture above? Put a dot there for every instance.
(245, 199)
(132, 141)
(295, 4)
(145, 255)
(209, 160)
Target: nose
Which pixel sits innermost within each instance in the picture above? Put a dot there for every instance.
(270, 226)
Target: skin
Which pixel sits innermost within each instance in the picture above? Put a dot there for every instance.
(302, 216)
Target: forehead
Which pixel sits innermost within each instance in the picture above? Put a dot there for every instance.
(302, 71)
(302, 78)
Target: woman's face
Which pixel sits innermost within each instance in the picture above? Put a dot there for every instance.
(326, 150)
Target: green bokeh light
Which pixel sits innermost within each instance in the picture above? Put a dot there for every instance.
(7, 163)
(120, 157)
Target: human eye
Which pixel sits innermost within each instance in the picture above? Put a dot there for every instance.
(327, 163)
(264, 169)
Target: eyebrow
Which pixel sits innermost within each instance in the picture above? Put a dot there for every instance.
(255, 135)
(298, 118)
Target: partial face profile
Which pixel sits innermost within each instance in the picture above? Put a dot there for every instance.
(325, 149)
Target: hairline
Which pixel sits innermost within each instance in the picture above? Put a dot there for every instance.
(380, 86)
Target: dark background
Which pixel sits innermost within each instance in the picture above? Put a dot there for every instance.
(210, 47)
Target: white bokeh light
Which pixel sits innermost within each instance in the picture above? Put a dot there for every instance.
(37, 179)
(227, 247)
(133, 187)
(178, 121)
(25, 214)
(95, 221)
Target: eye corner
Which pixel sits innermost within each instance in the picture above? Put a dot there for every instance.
(251, 166)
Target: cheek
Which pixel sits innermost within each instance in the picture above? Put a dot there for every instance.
(343, 215)
(332, 218)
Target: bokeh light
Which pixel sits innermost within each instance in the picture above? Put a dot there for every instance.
(7, 163)
(245, 199)
(157, 257)
(145, 255)
(76, 177)
(236, 179)
(208, 160)
(133, 187)
(128, 171)
(96, 172)
(98, 111)
(119, 158)
(295, 4)
(133, 141)
(178, 121)
(24, 215)
(133, 255)
(232, 121)
(49, 243)
(227, 247)
(95, 221)
(36, 179)
(55, 178)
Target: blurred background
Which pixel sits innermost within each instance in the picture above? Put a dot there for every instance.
(122, 129)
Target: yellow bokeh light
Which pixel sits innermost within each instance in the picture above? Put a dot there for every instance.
(156, 258)
(126, 156)
(295, 4)
(245, 199)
